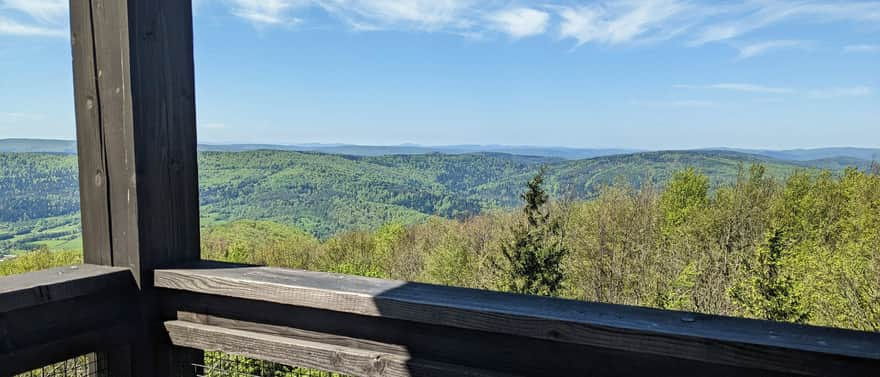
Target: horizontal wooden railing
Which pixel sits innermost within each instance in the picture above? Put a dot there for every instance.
(59, 313)
(370, 327)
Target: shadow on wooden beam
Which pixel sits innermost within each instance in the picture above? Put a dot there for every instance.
(510, 333)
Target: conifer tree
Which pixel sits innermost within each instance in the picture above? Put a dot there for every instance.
(768, 293)
(533, 259)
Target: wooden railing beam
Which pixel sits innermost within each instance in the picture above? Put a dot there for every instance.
(287, 350)
(52, 315)
(754, 345)
(61, 283)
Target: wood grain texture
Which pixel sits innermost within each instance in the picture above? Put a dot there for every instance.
(450, 345)
(163, 113)
(90, 138)
(295, 333)
(61, 283)
(55, 314)
(719, 340)
(109, 20)
(309, 354)
(136, 129)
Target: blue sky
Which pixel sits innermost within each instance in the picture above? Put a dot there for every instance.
(640, 74)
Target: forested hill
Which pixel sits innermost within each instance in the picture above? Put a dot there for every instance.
(69, 146)
(857, 155)
(324, 193)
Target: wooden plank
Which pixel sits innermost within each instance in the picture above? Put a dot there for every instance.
(451, 345)
(38, 335)
(110, 32)
(164, 125)
(295, 333)
(59, 313)
(59, 349)
(90, 138)
(478, 350)
(308, 354)
(719, 340)
(31, 327)
(61, 283)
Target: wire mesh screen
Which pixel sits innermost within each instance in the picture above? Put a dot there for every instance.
(218, 364)
(82, 366)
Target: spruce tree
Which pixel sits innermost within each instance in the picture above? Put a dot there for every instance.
(533, 258)
(768, 292)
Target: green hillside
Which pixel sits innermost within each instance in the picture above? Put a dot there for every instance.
(36, 186)
(324, 194)
(584, 178)
(321, 193)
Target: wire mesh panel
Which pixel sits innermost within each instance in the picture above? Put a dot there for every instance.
(82, 366)
(218, 364)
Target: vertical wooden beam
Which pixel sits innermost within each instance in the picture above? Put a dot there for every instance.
(94, 200)
(135, 106)
(136, 132)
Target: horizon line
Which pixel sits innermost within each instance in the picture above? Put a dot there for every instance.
(337, 144)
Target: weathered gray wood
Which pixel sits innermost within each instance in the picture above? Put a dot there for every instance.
(309, 354)
(450, 345)
(109, 337)
(32, 326)
(134, 86)
(713, 339)
(90, 138)
(51, 315)
(61, 283)
(295, 333)
(136, 128)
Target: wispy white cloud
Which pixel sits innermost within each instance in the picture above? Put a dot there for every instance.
(863, 48)
(750, 16)
(46, 11)
(33, 18)
(609, 22)
(739, 87)
(858, 91)
(429, 15)
(778, 94)
(687, 103)
(624, 21)
(267, 12)
(520, 22)
(760, 48)
(15, 28)
(363, 15)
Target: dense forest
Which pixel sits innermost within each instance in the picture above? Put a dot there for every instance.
(324, 194)
(804, 248)
(738, 236)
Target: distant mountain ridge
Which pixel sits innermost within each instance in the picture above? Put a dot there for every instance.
(830, 157)
(865, 154)
(411, 149)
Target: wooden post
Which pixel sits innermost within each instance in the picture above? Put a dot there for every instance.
(136, 131)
